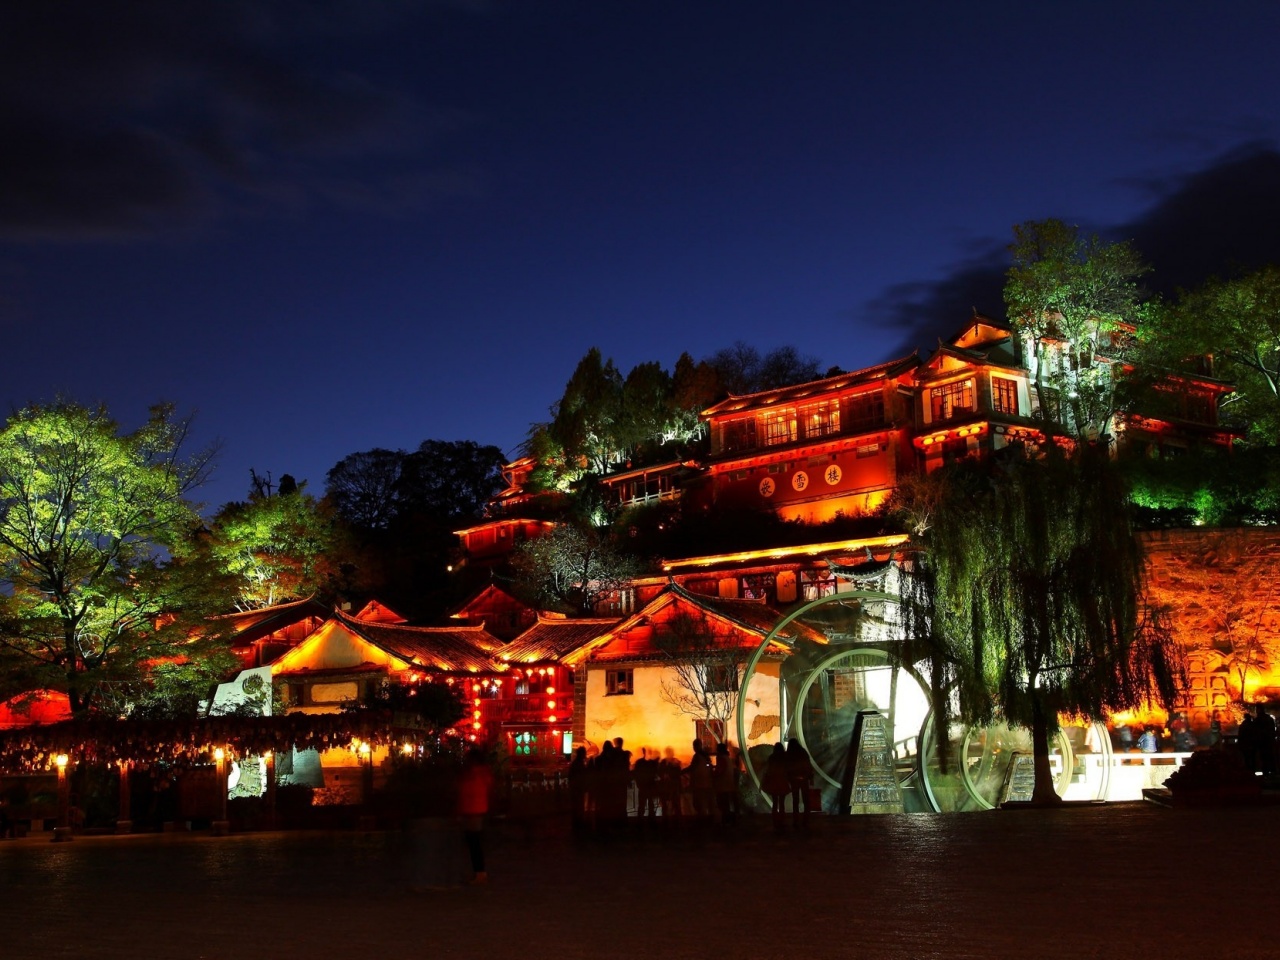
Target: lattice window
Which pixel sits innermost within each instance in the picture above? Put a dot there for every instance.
(778, 426)
(952, 400)
(1004, 395)
(821, 419)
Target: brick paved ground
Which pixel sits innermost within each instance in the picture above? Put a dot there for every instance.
(1122, 881)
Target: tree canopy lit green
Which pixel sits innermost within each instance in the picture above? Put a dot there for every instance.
(93, 522)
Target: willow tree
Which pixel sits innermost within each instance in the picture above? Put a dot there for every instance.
(1027, 587)
(91, 590)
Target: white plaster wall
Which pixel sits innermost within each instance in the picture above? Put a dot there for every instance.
(645, 719)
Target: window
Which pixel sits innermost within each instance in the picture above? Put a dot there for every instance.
(864, 412)
(952, 400)
(739, 435)
(819, 419)
(334, 692)
(779, 427)
(710, 732)
(817, 583)
(722, 678)
(618, 683)
(1004, 395)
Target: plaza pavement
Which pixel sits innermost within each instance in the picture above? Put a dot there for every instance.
(1120, 881)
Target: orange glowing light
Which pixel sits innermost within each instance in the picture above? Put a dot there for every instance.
(551, 704)
(61, 760)
(552, 718)
(550, 690)
(780, 553)
(476, 714)
(218, 754)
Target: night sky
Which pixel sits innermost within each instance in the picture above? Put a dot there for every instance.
(327, 227)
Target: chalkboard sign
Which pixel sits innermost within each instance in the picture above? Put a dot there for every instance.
(873, 787)
(1020, 779)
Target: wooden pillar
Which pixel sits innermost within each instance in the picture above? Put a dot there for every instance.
(63, 830)
(220, 827)
(271, 790)
(124, 820)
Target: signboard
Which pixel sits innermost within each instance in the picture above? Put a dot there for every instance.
(873, 786)
(250, 691)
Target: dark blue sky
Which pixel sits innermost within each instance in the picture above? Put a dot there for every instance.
(330, 227)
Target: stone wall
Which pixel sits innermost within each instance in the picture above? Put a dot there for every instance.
(1222, 588)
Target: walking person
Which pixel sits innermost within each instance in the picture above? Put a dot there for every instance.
(800, 778)
(726, 782)
(474, 787)
(701, 784)
(577, 776)
(777, 784)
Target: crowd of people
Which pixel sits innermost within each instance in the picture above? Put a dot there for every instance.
(1254, 737)
(606, 789)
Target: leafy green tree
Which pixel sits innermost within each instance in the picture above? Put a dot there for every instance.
(1235, 322)
(645, 409)
(573, 568)
(1025, 594)
(93, 522)
(694, 387)
(275, 546)
(1077, 300)
(587, 416)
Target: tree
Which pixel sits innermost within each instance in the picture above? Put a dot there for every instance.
(1026, 589)
(705, 669)
(586, 418)
(572, 567)
(92, 527)
(1235, 322)
(364, 487)
(274, 546)
(449, 479)
(1076, 300)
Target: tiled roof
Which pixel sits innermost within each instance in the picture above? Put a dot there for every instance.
(455, 649)
(755, 615)
(815, 387)
(551, 639)
(247, 626)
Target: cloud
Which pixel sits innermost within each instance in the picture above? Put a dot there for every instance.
(924, 310)
(127, 120)
(1218, 220)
